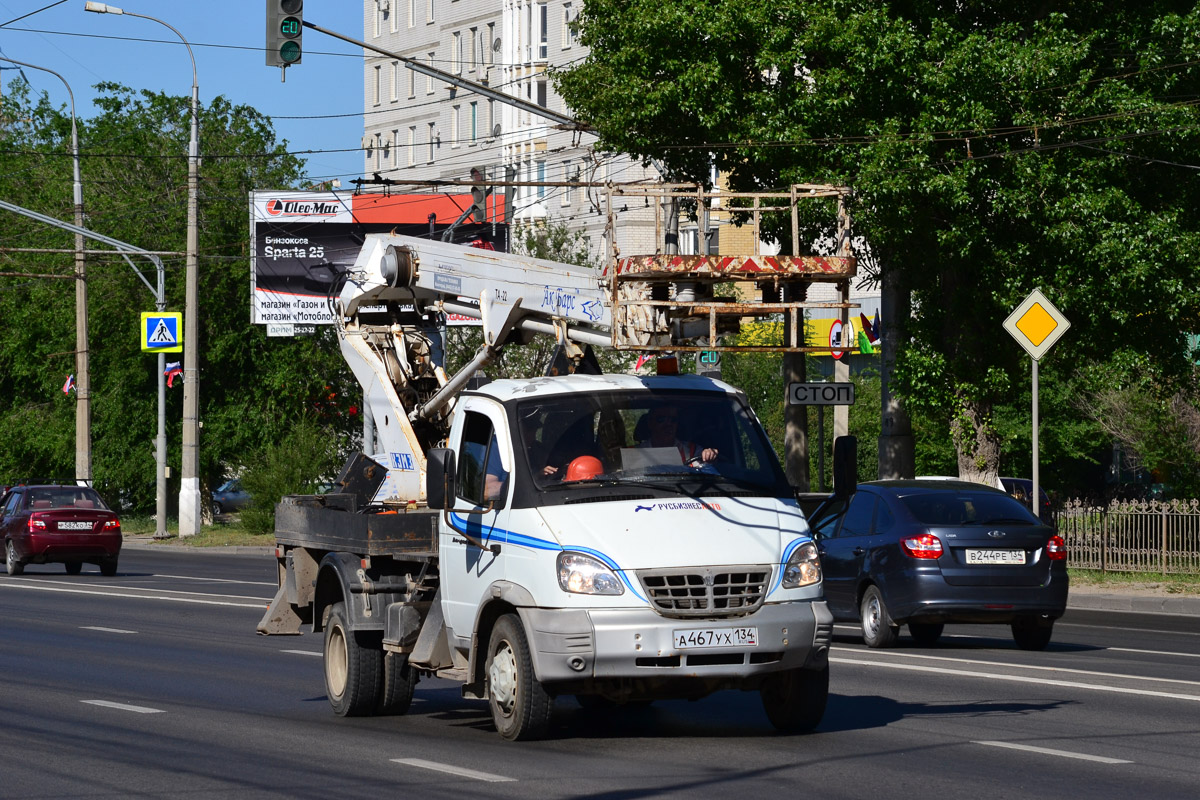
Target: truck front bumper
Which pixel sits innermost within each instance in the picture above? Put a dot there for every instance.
(599, 644)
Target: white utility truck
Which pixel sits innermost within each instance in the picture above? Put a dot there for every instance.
(617, 538)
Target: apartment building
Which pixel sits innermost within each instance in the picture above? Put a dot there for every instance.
(420, 128)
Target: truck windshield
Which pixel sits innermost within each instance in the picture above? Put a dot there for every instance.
(647, 438)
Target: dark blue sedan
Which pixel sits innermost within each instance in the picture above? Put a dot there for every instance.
(924, 553)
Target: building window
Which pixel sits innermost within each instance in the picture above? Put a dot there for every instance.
(474, 122)
(541, 176)
(412, 145)
(375, 19)
(378, 78)
(432, 145)
(567, 191)
(456, 53)
(568, 35)
(474, 62)
(491, 121)
(412, 82)
(541, 93)
(543, 30)
(491, 43)
(395, 148)
(395, 80)
(429, 78)
(429, 10)
(454, 126)
(379, 154)
(412, 12)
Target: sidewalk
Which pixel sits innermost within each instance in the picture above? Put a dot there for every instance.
(1149, 599)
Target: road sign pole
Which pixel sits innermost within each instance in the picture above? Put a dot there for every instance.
(1036, 500)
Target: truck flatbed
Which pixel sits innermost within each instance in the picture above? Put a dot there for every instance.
(315, 522)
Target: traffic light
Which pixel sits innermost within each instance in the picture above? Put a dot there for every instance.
(479, 194)
(285, 24)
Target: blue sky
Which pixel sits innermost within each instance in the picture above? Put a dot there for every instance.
(227, 38)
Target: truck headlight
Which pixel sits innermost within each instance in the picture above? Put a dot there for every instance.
(582, 574)
(802, 568)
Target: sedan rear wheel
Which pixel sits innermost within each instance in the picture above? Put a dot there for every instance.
(926, 634)
(1032, 635)
(108, 566)
(74, 567)
(877, 627)
(14, 564)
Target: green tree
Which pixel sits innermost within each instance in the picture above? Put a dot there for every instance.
(134, 168)
(991, 147)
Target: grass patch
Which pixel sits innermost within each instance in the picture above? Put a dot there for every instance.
(225, 534)
(1172, 583)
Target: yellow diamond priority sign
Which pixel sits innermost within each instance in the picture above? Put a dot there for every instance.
(1036, 324)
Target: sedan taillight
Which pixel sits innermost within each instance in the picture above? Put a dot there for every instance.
(112, 525)
(925, 545)
(36, 523)
(1056, 549)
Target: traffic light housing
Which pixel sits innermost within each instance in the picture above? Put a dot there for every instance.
(479, 193)
(285, 26)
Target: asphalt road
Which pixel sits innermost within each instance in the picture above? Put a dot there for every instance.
(155, 684)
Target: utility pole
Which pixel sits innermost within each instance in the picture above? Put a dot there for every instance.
(83, 409)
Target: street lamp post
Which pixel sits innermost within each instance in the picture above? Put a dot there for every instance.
(83, 411)
(189, 490)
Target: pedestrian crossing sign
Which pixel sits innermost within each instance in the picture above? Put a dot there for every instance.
(162, 332)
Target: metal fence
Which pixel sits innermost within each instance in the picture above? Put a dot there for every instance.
(1132, 536)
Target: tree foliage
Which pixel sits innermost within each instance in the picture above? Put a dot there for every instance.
(992, 148)
(134, 167)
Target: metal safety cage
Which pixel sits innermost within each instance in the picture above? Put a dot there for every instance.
(673, 302)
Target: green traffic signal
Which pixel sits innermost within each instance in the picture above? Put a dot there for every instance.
(290, 27)
(290, 52)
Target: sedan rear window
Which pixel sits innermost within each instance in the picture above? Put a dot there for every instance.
(966, 508)
(63, 497)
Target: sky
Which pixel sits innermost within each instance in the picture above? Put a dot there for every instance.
(227, 38)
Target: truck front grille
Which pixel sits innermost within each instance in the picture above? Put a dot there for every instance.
(706, 591)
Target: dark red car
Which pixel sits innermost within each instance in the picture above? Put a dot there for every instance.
(70, 525)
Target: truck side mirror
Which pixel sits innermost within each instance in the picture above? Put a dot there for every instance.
(440, 471)
(845, 466)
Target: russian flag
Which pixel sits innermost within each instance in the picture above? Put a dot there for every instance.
(69, 386)
(173, 369)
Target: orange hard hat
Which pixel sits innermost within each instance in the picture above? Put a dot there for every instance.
(583, 468)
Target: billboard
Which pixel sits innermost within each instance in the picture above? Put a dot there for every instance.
(303, 243)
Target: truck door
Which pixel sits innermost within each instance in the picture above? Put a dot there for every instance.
(480, 509)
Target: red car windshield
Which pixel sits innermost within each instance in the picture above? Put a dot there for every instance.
(63, 497)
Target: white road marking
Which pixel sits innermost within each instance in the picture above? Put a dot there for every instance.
(1152, 652)
(1017, 679)
(103, 630)
(1049, 752)
(1049, 669)
(16, 583)
(216, 580)
(459, 771)
(303, 653)
(124, 707)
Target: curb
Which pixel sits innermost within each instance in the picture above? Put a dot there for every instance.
(148, 543)
(1140, 604)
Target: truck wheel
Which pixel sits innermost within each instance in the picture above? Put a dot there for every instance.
(13, 564)
(520, 706)
(877, 627)
(399, 680)
(795, 699)
(926, 634)
(1032, 635)
(353, 670)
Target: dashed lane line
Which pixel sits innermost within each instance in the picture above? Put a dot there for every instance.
(461, 772)
(124, 707)
(103, 630)
(1051, 752)
(258, 602)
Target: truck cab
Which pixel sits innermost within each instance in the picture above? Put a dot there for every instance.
(624, 539)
